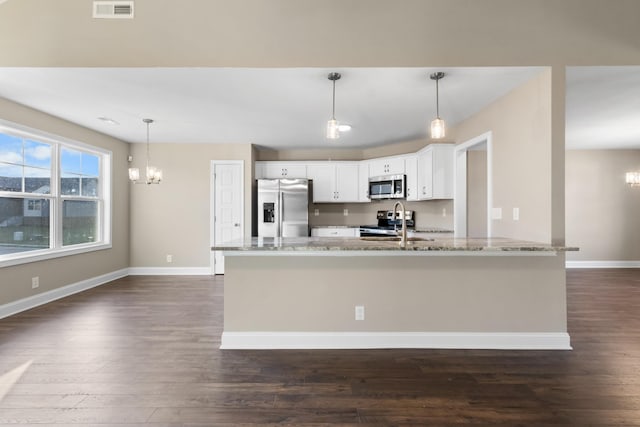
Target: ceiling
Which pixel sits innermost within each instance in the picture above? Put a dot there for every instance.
(603, 107)
(285, 108)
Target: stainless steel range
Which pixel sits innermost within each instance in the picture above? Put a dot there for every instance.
(387, 225)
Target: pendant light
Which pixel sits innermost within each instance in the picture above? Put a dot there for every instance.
(153, 174)
(437, 124)
(333, 126)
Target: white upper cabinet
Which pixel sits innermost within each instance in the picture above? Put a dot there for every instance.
(272, 170)
(435, 172)
(334, 182)
(411, 172)
(386, 166)
(429, 175)
(363, 181)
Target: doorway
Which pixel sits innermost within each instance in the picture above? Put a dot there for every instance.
(227, 207)
(473, 187)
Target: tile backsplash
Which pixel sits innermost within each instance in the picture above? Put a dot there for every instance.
(427, 213)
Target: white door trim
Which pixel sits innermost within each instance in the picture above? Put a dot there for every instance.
(460, 183)
(212, 204)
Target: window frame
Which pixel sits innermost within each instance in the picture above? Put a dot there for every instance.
(57, 199)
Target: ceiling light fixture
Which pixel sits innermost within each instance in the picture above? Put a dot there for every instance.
(153, 174)
(333, 127)
(437, 124)
(633, 179)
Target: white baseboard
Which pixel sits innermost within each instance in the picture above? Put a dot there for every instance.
(169, 271)
(15, 307)
(370, 340)
(603, 264)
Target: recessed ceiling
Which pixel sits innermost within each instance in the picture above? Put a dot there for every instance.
(289, 107)
(275, 107)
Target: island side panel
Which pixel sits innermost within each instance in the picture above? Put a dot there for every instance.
(486, 294)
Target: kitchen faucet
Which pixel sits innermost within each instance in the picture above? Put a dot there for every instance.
(403, 232)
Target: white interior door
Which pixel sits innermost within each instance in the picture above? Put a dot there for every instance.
(228, 207)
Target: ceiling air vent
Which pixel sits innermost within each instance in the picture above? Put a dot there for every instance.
(113, 9)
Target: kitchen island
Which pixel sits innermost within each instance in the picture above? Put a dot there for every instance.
(442, 293)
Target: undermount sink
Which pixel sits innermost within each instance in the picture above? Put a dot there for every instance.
(394, 239)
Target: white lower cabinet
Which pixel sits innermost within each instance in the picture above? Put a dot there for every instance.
(335, 232)
(334, 182)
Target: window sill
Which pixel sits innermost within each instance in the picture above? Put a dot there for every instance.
(35, 256)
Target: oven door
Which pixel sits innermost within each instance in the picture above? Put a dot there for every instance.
(377, 231)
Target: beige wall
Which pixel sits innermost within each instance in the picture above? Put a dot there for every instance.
(602, 211)
(308, 33)
(477, 193)
(487, 293)
(520, 123)
(174, 217)
(54, 273)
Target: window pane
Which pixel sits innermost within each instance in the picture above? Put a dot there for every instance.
(90, 164)
(70, 161)
(70, 185)
(89, 187)
(37, 180)
(24, 225)
(10, 149)
(10, 177)
(79, 222)
(37, 154)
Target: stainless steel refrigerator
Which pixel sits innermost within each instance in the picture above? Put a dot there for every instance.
(283, 207)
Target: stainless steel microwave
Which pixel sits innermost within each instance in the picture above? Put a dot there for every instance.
(387, 187)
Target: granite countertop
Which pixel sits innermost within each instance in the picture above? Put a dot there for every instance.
(319, 244)
(409, 230)
(335, 226)
(430, 230)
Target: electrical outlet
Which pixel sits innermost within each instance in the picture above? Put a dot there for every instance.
(345, 212)
(516, 214)
(444, 211)
(316, 212)
(169, 258)
(35, 282)
(359, 312)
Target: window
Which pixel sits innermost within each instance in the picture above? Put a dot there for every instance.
(54, 196)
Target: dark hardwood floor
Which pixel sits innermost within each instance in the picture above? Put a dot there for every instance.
(144, 351)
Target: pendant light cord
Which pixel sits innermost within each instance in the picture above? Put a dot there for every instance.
(147, 147)
(437, 99)
(333, 111)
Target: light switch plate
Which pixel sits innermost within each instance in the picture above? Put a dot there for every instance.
(516, 214)
(496, 213)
